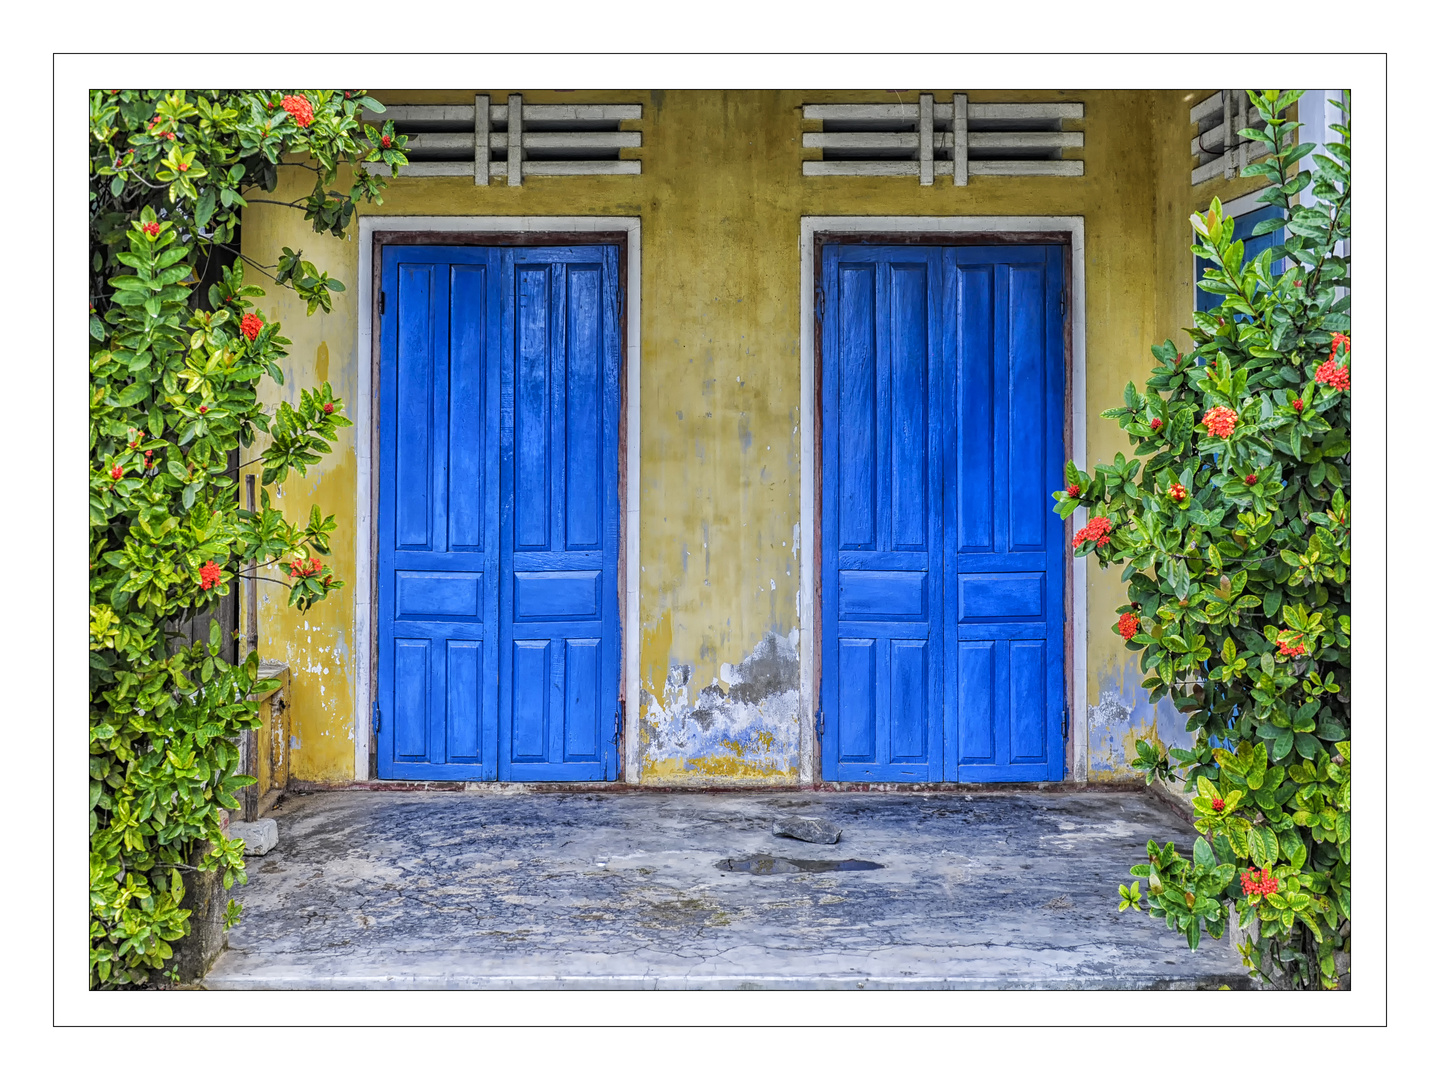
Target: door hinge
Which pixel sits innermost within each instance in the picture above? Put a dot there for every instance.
(819, 722)
(619, 722)
(382, 301)
(820, 304)
(1065, 721)
(375, 716)
(1063, 303)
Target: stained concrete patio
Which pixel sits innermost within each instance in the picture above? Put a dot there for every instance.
(505, 891)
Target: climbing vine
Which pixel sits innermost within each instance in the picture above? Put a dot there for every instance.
(1233, 525)
(175, 370)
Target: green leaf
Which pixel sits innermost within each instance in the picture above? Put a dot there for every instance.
(205, 208)
(1204, 857)
(1263, 846)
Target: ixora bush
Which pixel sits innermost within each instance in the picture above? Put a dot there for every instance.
(1233, 526)
(173, 391)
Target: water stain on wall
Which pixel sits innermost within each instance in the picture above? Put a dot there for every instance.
(1124, 716)
(745, 725)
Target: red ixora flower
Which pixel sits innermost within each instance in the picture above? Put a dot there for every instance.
(1155, 424)
(1217, 803)
(116, 472)
(151, 228)
(298, 107)
(1129, 625)
(1097, 529)
(250, 326)
(1258, 882)
(1298, 404)
(1220, 421)
(1072, 490)
(1336, 340)
(1251, 479)
(385, 141)
(329, 408)
(1290, 643)
(209, 575)
(1332, 374)
(1178, 492)
(302, 567)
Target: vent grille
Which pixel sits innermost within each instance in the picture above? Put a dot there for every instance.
(924, 139)
(1218, 148)
(514, 140)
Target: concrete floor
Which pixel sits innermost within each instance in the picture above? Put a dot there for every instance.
(505, 891)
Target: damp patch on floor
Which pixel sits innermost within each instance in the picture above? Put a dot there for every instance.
(774, 864)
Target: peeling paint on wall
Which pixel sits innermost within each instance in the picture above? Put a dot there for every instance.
(1123, 716)
(744, 725)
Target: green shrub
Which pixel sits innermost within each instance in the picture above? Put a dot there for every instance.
(173, 392)
(1233, 526)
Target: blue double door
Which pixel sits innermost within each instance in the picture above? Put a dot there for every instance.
(942, 565)
(498, 534)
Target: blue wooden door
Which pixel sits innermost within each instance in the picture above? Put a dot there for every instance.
(942, 566)
(473, 380)
(560, 518)
(881, 578)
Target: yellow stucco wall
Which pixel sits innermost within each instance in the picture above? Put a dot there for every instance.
(720, 201)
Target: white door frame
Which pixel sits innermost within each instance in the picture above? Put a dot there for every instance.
(364, 627)
(809, 227)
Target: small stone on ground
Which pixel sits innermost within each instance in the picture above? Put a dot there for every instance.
(810, 829)
(259, 836)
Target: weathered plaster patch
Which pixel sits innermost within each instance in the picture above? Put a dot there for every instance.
(744, 725)
(1124, 716)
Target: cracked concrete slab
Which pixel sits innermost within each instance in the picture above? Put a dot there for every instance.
(588, 891)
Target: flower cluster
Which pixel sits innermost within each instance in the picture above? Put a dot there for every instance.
(1217, 803)
(1332, 374)
(1298, 404)
(1336, 340)
(1129, 625)
(1251, 479)
(1073, 490)
(209, 575)
(116, 472)
(303, 567)
(328, 408)
(151, 228)
(1155, 424)
(1220, 421)
(1290, 643)
(298, 107)
(1178, 492)
(1097, 529)
(1258, 882)
(385, 141)
(251, 325)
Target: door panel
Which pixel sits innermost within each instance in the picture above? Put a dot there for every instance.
(1004, 600)
(560, 474)
(880, 540)
(498, 619)
(941, 563)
